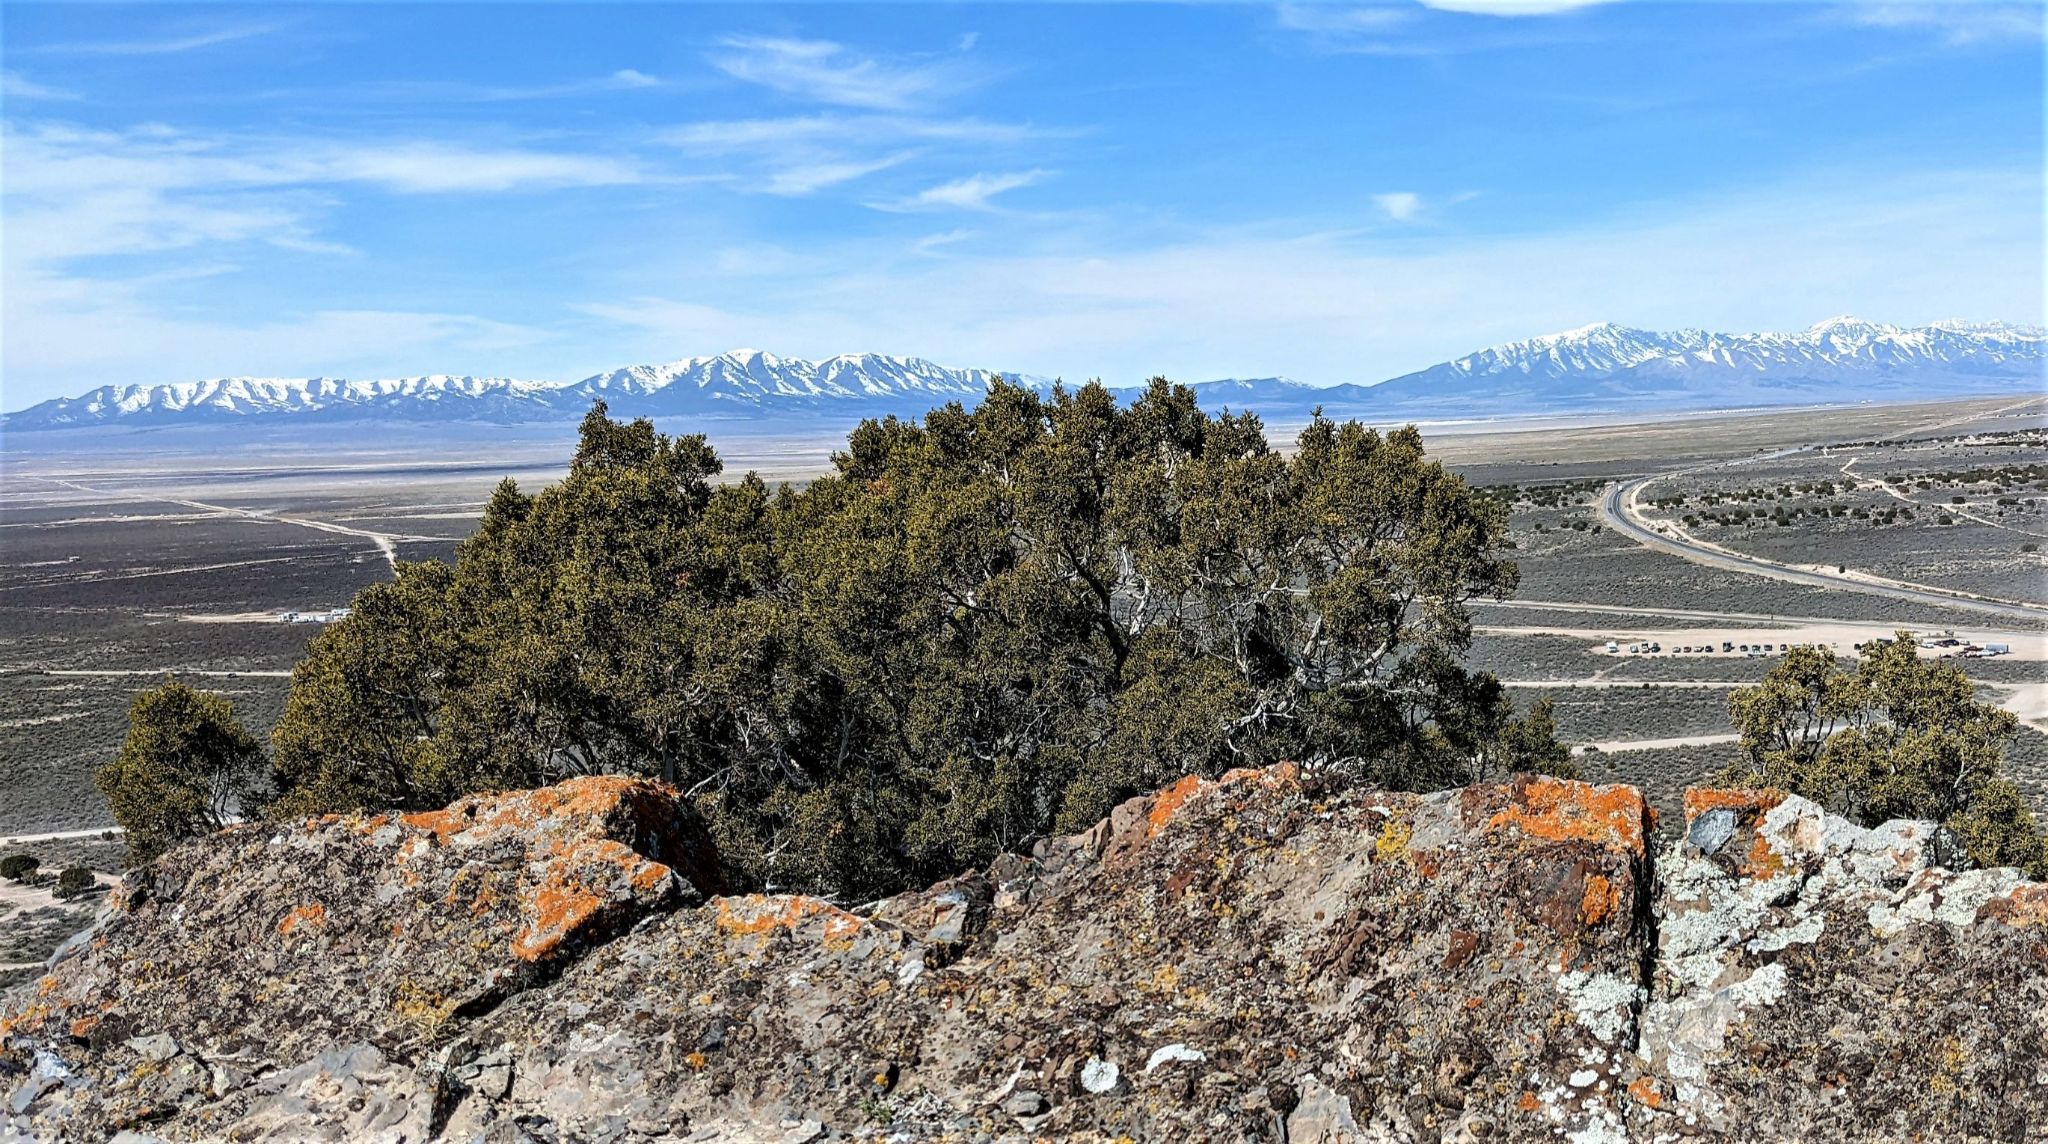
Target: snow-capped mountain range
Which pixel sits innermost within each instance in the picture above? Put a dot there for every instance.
(1594, 368)
(1843, 349)
(754, 380)
(243, 397)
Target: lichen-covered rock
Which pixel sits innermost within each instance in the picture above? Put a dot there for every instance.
(1254, 958)
(264, 947)
(1220, 960)
(1816, 980)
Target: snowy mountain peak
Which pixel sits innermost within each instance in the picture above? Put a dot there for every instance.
(1601, 361)
(743, 378)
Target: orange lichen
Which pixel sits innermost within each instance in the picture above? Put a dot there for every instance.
(1601, 899)
(82, 1028)
(2026, 905)
(30, 1018)
(1699, 800)
(1561, 810)
(1762, 861)
(574, 892)
(759, 914)
(648, 875)
(1644, 1089)
(561, 907)
(314, 915)
(1279, 774)
(1169, 801)
(590, 796)
(1528, 1103)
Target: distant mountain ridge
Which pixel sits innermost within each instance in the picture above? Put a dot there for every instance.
(1594, 368)
(755, 380)
(1609, 367)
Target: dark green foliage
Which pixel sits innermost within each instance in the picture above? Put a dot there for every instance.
(1897, 737)
(19, 867)
(75, 880)
(979, 629)
(185, 769)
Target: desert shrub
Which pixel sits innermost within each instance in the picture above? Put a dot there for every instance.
(75, 880)
(19, 867)
(186, 766)
(983, 627)
(1895, 737)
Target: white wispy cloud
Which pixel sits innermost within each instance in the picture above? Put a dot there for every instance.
(1343, 19)
(14, 85)
(969, 194)
(75, 193)
(1956, 22)
(1399, 205)
(432, 91)
(810, 178)
(841, 129)
(803, 154)
(933, 243)
(1419, 28)
(436, 168)
(822, 71)
(168, 44)
(55, 158)
(1511, 7)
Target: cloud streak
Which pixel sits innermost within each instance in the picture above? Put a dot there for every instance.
(14, 85)
(162, 46)
(1956, 23)
(1399, 205)
(1511, 7)
(821, 71)
(972, 193)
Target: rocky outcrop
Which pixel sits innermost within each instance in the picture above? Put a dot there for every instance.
(1815, 980)
(1254, 958)
(231, 960)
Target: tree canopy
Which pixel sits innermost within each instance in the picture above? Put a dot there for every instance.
(1894, 737)
(981, 627)
(187, 767)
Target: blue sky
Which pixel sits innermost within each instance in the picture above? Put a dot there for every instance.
(1330, 192)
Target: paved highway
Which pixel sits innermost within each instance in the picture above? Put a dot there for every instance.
(1617, 509)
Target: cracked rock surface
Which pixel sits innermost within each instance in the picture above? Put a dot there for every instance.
(1253, 958)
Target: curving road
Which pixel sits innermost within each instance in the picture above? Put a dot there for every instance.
(1618, 510)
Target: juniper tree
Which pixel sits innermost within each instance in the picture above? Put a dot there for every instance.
(185, 769)
(980, 627)
(1894, 737)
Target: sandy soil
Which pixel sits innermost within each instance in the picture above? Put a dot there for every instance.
(1609, 746)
